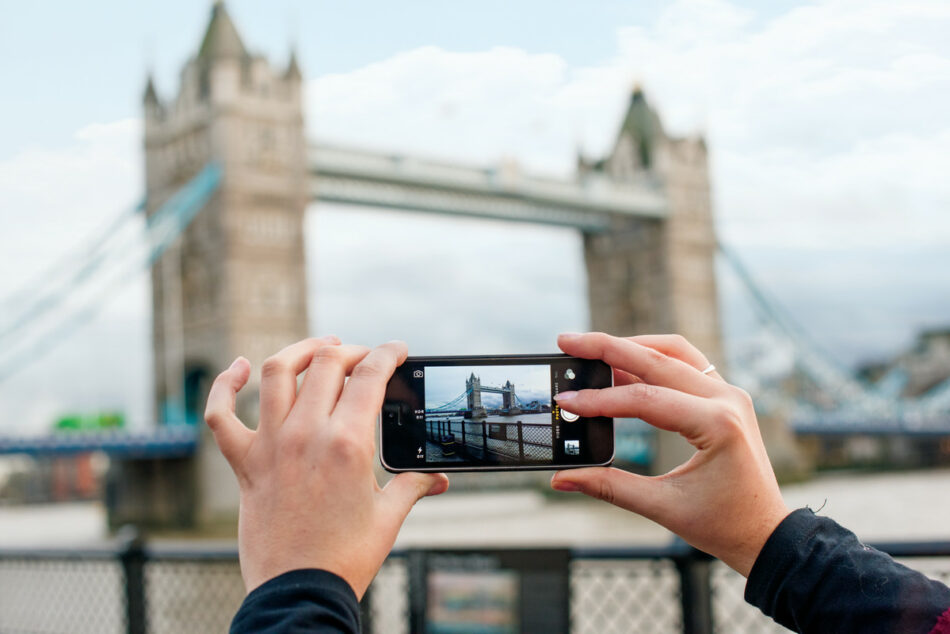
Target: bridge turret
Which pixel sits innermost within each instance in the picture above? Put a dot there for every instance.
(234, 283)
(648, 275)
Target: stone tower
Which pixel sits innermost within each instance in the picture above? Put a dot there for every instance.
(234, 283)
(657, 276)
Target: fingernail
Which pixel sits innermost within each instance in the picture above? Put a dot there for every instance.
(235, 363)
(564, 485)
(332, 338)
(569, 335)
(565, 396)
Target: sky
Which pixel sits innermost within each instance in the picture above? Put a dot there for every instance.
(532, 382)
(826, 121)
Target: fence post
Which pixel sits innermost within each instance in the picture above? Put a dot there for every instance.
(484, 440)
(694, 567)
(520, 443)
(132, 558)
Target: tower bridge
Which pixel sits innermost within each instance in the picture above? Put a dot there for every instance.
(234, 283)
(474, 389)
(230, 280)
(228, 176)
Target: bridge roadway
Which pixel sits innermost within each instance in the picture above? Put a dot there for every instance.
(845, 426)
(359, 177)
(172, 441)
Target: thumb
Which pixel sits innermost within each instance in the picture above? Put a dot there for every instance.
(636, 493)
(403, 491)
(232, 436)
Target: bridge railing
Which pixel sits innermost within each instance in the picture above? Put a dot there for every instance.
(136, 587)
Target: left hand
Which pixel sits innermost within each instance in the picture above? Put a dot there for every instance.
(309, 496)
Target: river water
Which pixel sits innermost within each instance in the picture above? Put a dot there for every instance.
(890, 506)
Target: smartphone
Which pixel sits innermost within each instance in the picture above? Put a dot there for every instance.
(487, 413)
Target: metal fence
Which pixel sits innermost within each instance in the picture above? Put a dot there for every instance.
(137, 588)
(514, 440)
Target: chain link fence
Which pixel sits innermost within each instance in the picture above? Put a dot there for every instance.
(520, 441)
(157, 590)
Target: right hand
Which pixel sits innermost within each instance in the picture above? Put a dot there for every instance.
(725, 499)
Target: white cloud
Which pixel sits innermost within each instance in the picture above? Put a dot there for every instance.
(53, 201)
(827, 123)
(824, 115)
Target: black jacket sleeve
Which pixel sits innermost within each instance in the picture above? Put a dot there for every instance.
(299, 601)
(815, 576)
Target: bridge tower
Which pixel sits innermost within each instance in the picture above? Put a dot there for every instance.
(509, 400)
(656, 276)
(234, 283)
(473, 386)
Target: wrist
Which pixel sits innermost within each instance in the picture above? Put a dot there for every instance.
(748, 552)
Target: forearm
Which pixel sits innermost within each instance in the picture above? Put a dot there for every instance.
(815, 576)
(299, 601)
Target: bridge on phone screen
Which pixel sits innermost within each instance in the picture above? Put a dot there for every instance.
(229, 175)
(469, 402)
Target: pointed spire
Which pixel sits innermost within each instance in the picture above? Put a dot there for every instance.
(293, 68)
(643, 126)
(151, 96)
(221, 39)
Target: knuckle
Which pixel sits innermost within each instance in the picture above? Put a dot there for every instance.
(604, 490)
(600, 339)
(644, 393)
(212, 417)
(295, 438)
(327, 354)
(368, 370)
(742, 398)
(679, 342)
(274, 366)
(351, 448)
(730, 418)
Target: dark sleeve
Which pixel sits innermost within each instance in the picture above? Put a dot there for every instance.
(815, 576)
(299, 601)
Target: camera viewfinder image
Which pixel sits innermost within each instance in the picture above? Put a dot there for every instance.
(492, 414)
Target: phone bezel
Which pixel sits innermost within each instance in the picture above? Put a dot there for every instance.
(495, 468)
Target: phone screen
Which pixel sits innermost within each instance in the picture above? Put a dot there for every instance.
(478, 413)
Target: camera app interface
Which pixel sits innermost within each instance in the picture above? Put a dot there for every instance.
(488, 414)
(494, 413)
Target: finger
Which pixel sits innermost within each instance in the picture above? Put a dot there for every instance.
(363, 394)
(641, 494)
(279, 378)
(231, 435)
(662, 407)
(625, 378)
(678, 347)
(652, 366)
(324, 380)
(402, 492)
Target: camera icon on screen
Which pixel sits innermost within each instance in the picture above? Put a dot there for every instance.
(417, 374)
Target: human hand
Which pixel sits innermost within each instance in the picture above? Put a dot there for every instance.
(725, 499)
(309, 497)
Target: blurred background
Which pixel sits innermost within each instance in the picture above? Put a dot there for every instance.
(771, 181)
